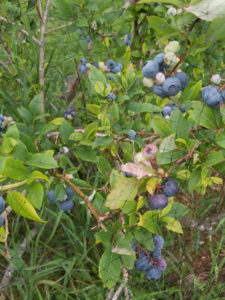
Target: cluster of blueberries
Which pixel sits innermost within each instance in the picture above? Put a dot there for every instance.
(69, 114)
(168, 109)
(63, 205)
(2, 206)
(212, 96)
(111, 96)
(150, 262)
(164, 86)
(3, 125)
(113, 67)
(128, 40)
(159, 201)
(83, 68)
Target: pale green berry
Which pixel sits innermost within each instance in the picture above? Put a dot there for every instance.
(172, 46)
(171, 11)
(101, 64)
(148, 82)
(171, 59)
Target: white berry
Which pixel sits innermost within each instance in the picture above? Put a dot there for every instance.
(216, 78)
(148, 82)
(171, 11)
(160, 78)
(172, 46)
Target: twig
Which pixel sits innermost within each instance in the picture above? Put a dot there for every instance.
(42, 57)
(59, 28)
(118, 292)
(9, 71)
(110, 294)
(181, 160)
(72, 86)
(12, 186)
(10, 269)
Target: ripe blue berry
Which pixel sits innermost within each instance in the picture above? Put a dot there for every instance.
(158, 90)
(95, 64)
(128, 175)
(116, 69)
(111, 96)
(111, 64)
(157, 201)
(183, 79)
(153, 272)
(87, 38)
(150, 69)
(83, 69)
(132, 135)
(83, 61)
(166, 111)
(223, 94)
(159, 59)
(69, 192)
(66, 205)
(2, 204)
(2, 221)
(171, 86)
(142, 263)
(51, 196)
(156, 254)
(134, 246)
(212, 96)
(158, 241)
(170, 187)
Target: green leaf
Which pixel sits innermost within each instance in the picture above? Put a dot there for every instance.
(96, 75)
(35, 105)
(214, 158)
(220, 139)
(109, 268)
(8, 145)
(86, 153)
(172, 224)
(216, 30)
(12, 132)
(65, 131)
(144, 237)
(104, 166)
(149, 221)
(128, 256)
(168, 144)
(124, 189)
(168, 157)
(35, 194)
(93, 108)
(104, 237)
(22, 206)
(178, 210)
(161, 26)
(99, 88)
(160, 127)
(15, 169)
(204, 115)
(57, 121)
(179, 124)
(143, 107)
(192, 92)
(37, 175)
(194, 180)
(42, 161)
(102, 141)
(25, 114)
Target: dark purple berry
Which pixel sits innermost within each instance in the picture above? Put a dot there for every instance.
(157, 201)
(153, 272)
(170, 187)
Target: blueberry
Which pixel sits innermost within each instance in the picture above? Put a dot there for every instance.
(170, 187)
(150, 69)
(111, 96)
(143, 262)
(134, 246)
(128, 175)
(109, 77)
(68, 111)
(159, 59)
(161, 263)
(132, 135)
(128, 36)
(128, 42)
(153, 272)
(120, 66)
(166, 111)
(158, 90)
(116, 69)
(2, 221)
(83, 61)
(2, 118)
(223, 94)
(66, 205)
(95, 64)
(69, 192)
(73, 113)
(157, 201)
(171, 86)
(51, 196)
(212, 96)
(83, 69)
(87, 38)
(2, 204)
(158, 241)
(183, 79)
(111, 64)
(182, 108)
(156, 254)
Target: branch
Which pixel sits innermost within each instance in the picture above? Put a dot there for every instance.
(59, 28)
(76, 189)
(181, 160)
(42, 56)
(12, 186)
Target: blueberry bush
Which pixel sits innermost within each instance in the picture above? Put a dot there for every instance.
(113, 112)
